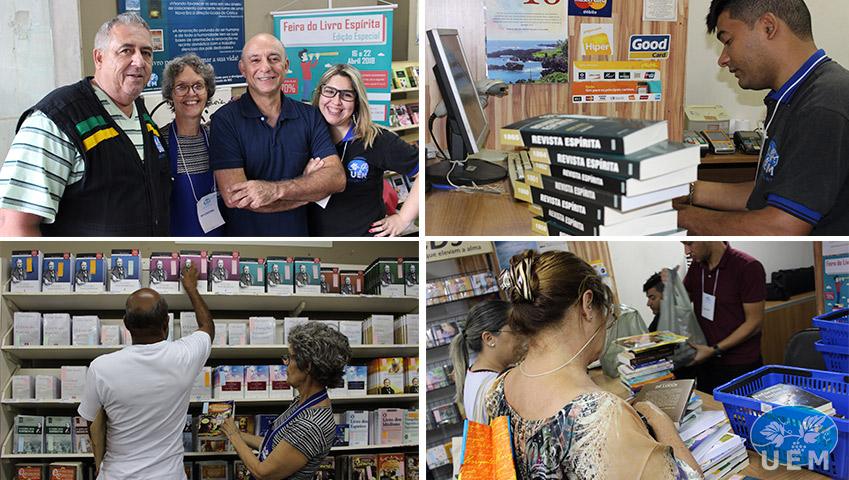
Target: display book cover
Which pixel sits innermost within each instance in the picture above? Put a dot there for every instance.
(588, 133)
(487, 452)
(648, 341)
(212, 416)
(670, 396)
(790, 395)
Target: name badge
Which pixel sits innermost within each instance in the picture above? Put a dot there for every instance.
(708, 306)
(208, 214)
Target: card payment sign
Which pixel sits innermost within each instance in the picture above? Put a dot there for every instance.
(648, 47)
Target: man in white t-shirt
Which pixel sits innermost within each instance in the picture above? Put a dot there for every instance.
(144, 389)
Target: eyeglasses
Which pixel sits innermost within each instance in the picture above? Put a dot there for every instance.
(183, 89)
(345, 95)
(285, 360)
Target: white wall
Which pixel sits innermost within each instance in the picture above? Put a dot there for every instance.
(708, 84)
(634, 262)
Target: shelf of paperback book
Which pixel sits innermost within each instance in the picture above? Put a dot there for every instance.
(328, 302)
(81, 352)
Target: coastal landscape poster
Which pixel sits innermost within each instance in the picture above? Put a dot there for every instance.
(527, 43)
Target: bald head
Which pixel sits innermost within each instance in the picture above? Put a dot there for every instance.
(263, 64)
(147, 314)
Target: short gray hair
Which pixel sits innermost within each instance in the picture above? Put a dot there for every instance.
(320, 351)
(101, 39)
(175, 67)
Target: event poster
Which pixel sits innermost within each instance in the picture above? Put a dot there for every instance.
(318, 39)
(527, 42)
(835, 275)
(212, 29)
(605, 82)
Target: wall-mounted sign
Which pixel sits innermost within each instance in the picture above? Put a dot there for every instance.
(597, 8)
(660, 10)
(649, 47)
(597, 39)
(436, 251)
(605, 82)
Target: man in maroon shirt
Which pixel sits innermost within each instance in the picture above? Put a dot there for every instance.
(728, 290)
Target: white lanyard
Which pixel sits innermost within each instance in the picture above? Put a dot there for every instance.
(709, 300)
(186, 167)
(715, 282)
(265, 448)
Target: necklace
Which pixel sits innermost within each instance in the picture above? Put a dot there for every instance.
(533, 375)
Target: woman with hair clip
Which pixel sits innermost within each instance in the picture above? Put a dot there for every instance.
(486, 334)
(366, 150)
(576, 429)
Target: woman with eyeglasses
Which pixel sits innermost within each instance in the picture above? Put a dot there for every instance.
(563, 424)
(367, 150)
(188, 84)
(299, 439)
(486, 341)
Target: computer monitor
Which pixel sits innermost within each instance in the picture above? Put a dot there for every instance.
(466, 127)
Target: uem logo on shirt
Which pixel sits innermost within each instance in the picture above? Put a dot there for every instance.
(770, 162)
(358, 170)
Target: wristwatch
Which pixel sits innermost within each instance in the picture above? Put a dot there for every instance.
(717, 352)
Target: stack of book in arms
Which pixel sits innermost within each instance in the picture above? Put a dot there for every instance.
(714, 445)
(647, 358)
(603, 176)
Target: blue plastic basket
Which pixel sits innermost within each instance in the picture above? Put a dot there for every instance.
(743, 410)
(836, 357)
(834, 327)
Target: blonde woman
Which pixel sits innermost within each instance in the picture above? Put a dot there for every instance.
(366, 150)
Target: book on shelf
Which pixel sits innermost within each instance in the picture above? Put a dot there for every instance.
(587, 133)
(445, 414)
(399, 77)
(653, 161)
(403, 115)
(28, 434)
(487, 451)
(670, 396)
(413, 110)
(790, 395)
(390, 466)
(413, 74)
(210, 437)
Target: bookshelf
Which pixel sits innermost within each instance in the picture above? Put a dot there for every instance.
(405, 95)
(37, 360)
(438, 399)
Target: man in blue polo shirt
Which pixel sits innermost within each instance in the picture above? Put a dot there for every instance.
(802, 183)
(260, 146)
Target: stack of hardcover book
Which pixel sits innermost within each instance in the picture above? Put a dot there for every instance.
(647, 358)
(714, 445)
(602, 175)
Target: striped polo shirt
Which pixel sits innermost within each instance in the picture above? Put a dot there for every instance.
(42, 161)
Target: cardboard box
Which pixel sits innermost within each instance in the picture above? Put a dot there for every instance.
(228, 382)
(279, 382)
(262, 330)
(73, 382)
(57, 329)
(57, 435)
(411, 277)
(385, 276)
(252, 275)
(85, 330)
(224, 272)
(47, 387)
(353, 329)
(90, 273)
(411, 375)
(257, 382)
(237, 333)
(386, 376)
(330, 280)
(23, 387)
(200, 260)
(25, 271)
(379, 330)
(280, 275)
(307, 275)
(26, 328)
(202, 388)
(125, 271)
(57, 272)
(165, 272)
(351, 282)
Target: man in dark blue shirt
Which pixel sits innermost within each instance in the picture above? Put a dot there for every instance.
(802, 183)
(260, 146)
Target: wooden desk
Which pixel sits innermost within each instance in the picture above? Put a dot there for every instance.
(728, 168)
(458, 213)
(782, 319)
(755, 469)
